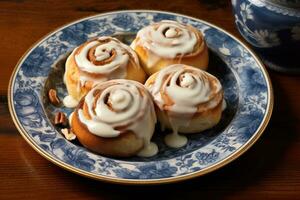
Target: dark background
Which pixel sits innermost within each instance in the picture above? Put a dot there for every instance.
(269, 170)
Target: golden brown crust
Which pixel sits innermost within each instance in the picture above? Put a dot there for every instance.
(72, 74)
(199, 122)
(125, 145)
(198, 58)
(203, 119)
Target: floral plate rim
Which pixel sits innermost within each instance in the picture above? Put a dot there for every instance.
(209, 169)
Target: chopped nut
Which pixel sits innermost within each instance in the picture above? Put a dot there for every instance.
(68, 134)
(60, 119)
(53, 97)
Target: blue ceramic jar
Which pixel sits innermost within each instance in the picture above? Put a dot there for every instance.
(272, 27)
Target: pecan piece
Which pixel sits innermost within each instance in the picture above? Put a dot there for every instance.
(60, 119)
(53, 97)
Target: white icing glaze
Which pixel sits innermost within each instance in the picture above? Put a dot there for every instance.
(193, 89)
(149, 150)
(175, 140)
(97, 127)
(84, 78)
(119, 103)
(119, 99)
(171, 32)
(187, 87)
(224, 105)
(167, 39)
(187, 80)
(70, 102)
(71, 117)
(102, 52)
(111, 69)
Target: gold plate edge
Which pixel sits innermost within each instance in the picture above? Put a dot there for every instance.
(211, 168)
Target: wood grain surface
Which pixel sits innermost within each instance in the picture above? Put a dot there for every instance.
(269, 170)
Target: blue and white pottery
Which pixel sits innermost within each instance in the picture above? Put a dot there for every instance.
(272, 27)
(247, 91)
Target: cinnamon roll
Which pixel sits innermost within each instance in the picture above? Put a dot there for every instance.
(99, 60)
(169, 42)
(116, 118)
(187, 99)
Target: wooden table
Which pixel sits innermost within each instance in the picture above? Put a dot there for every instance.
(270, 169)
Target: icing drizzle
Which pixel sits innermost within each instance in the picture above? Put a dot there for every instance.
(168, 39)
(117, 106)
(187, 87)
(183, 91)
(103, 59)
(70, 102)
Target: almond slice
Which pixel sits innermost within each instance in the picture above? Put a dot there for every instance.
(68, 134)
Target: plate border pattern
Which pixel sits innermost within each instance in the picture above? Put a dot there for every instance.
(230, 158)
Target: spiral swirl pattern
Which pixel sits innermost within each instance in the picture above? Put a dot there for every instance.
(103, 59)
(170, 39)
(117, 106)
(184, 89)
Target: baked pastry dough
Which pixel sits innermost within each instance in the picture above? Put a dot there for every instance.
(116, 118)
(187, 99)
(99, 60)
(169, 42)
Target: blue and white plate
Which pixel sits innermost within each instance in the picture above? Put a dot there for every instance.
(245, 81)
